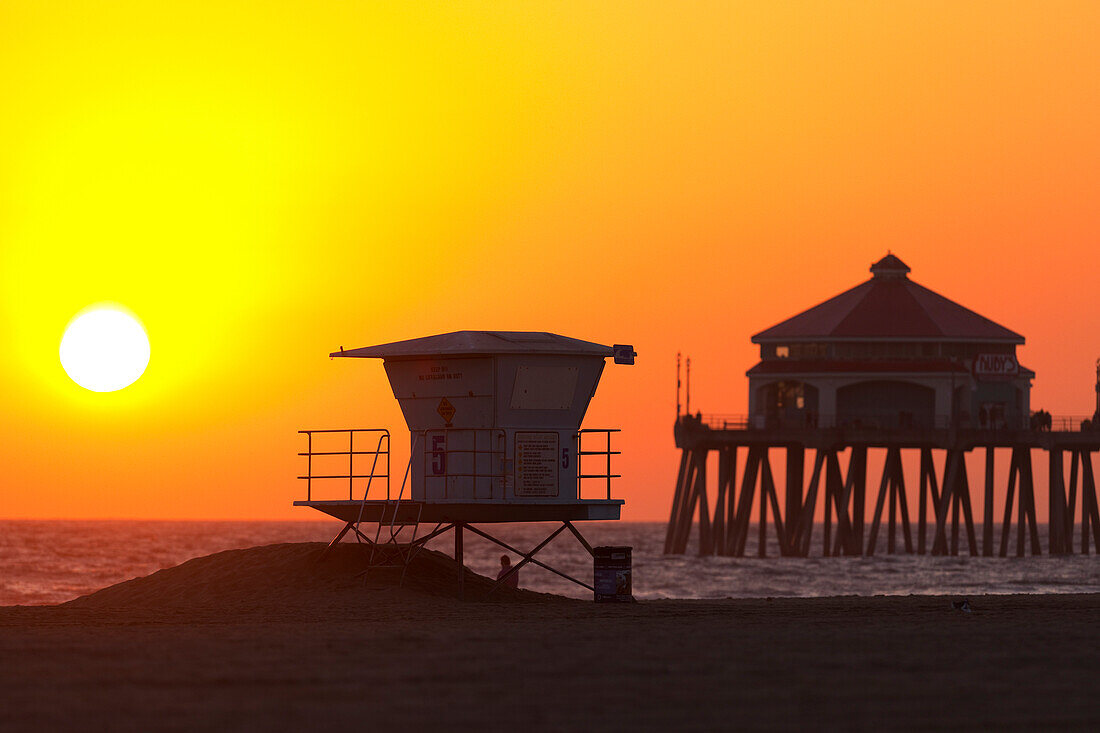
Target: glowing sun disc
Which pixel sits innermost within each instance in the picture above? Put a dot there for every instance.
(104, 350)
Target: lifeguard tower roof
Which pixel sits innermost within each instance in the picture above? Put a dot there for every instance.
(480, 343)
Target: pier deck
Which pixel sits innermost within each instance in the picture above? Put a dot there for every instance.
(943, 494)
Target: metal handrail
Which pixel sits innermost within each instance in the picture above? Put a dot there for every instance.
(607, 452)
(351, 475)
(1071, 423)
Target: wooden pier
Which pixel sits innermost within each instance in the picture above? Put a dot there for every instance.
(944, 496)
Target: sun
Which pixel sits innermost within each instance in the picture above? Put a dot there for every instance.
(104, 349)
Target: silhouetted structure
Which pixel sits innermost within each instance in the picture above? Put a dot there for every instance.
(889, 366)
(889, 353)
(494, 420)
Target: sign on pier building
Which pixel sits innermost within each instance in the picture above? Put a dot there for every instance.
(889, 353)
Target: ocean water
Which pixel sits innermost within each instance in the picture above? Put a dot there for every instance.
(45, 562)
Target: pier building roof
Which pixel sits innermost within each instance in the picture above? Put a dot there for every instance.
(889, 306)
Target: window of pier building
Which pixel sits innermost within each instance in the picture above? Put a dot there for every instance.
(961, 351)
(788, 403)
(794, 351)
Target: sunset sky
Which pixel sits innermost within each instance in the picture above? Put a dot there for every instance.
(262, 183)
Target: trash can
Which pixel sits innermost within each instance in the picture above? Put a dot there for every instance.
(611, 574)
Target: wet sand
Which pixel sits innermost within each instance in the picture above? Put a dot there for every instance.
(262, 639)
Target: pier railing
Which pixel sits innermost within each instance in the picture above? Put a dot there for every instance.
(810, 421)
(1071, 423)
(729, 421)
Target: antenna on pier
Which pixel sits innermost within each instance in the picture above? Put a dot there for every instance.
(687, 404)
(678, 385)
(1096, 415)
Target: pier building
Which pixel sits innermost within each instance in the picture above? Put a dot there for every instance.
(889, 353)
(894, 369)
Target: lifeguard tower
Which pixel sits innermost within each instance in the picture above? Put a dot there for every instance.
(495, 429)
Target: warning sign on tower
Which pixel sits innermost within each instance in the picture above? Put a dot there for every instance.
(446, 410)
(536, 464)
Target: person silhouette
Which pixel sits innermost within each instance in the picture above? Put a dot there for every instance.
(512, 581)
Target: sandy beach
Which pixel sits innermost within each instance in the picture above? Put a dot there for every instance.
(264, 639)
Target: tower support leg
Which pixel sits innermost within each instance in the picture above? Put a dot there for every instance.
(796, 461)
(892, 457)
(768, 489)
(687, 507)
(677, 504)
(987, 504)
(927, 489)
(706, 539)
(952, 465)
(857, 476)
(1006, 524)
(718, 528)
(1056, 499)
(809, 505)
(731, 510)
(963, 495)
(876, 516)
(1028, 488)
(1088, 492)
(744, 500)
(903, 505)
(1071, 503)
(765, 476)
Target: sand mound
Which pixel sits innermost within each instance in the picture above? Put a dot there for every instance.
(294, 577)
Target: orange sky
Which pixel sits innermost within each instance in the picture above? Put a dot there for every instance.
(264, 183)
